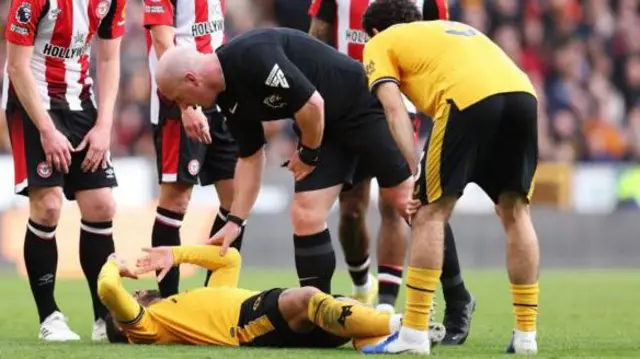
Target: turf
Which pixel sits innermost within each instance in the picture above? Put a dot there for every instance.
(584, 314)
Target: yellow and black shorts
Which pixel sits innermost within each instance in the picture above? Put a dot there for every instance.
(493, 143)
(261, 325)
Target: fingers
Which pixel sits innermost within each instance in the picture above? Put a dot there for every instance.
(224, 247)
(192, 131)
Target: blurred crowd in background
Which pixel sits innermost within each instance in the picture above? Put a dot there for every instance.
(582, 55)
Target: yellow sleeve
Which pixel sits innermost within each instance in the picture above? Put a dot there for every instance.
(114, 296)
(226, 270)
(380, 61)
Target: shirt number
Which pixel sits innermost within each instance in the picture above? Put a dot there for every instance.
(460, 29)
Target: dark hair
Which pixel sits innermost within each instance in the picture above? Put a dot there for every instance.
(382, 14)
(115, 334)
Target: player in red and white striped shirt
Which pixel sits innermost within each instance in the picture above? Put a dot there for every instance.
(60, 137)
(339, 23)
(183, 161)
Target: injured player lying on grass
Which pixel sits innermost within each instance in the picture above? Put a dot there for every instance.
(224, 315)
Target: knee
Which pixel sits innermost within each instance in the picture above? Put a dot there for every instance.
(396, 197)
(352, 207)
(512, 208)
(99, 207)
(45, 206)
(307, 217)
(175, 197)
(388, 213)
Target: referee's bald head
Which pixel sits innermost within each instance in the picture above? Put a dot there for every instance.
(189, 77)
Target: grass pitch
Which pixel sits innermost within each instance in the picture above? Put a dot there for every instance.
(584, 314)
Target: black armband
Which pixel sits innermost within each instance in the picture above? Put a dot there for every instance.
(237, 220)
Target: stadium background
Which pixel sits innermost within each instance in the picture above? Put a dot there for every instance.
(584, 58)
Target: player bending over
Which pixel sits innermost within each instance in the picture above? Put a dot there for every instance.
(484, 111)
(296, 317)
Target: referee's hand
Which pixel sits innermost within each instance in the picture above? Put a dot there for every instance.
(196, 125)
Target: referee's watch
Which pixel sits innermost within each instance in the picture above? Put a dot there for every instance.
(309, 156)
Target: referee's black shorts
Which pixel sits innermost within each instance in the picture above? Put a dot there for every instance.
(361, 139)
(493, 143)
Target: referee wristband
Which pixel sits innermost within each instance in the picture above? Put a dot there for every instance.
(237, 220)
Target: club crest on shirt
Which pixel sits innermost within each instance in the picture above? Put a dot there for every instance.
(103, 8)
(24, 13)
(370, 68)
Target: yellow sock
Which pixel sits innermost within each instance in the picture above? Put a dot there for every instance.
(525, 305)
(421, 286)
(347, 319)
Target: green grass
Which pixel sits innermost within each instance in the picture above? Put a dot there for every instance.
(584, 314)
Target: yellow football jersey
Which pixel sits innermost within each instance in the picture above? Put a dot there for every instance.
(203, 316)
(436, 61)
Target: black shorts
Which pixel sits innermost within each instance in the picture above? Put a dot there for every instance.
(363, 174)
(261, 325)
(493, 143)
(29, 160)
(361, 139)
(181, 159)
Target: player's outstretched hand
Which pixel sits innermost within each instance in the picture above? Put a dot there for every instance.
(98, 140)
(123, 266)
(156, 259)
(299, 169)
(57, 149)
(225, 237)
(196, 125)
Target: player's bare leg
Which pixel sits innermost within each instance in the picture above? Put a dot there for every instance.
(523, 257)
(314, 255)
(354, 239)
(97, 207)
(224, 189)
(172, 205)
(391, 253)
(41, 261)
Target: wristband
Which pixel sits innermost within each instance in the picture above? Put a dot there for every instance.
(237, 220)
(309, 156)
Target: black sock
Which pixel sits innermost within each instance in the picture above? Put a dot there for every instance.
(41, 260)
(315, 260)
(453, 287)
(96, 244)
(166, 232)
(218, 223)
(389, 282)
(359, 271)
